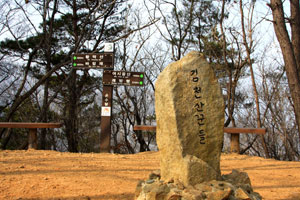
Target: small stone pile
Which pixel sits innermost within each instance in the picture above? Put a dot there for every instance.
(234, 186)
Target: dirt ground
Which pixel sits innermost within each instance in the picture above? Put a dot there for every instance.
(55, 175)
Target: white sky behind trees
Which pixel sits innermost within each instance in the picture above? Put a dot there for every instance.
(266, 45)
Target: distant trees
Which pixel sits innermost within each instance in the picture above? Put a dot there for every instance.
(37, 82)
(66, 27)
(186, 25)
(249, 46)
(290, 47)
(26, 51)
(135, 105)
(274, 102)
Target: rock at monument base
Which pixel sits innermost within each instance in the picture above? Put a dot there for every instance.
(197, 171)
(189, 110)
(226, 189)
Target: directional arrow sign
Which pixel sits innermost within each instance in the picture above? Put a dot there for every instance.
(93, 61)
(123, 78)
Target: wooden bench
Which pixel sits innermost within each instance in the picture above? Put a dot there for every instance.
(32, 136)
(235, 145)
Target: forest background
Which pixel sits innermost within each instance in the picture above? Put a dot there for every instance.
(253, 46)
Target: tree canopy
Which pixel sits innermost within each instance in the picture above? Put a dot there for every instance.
(259, 77)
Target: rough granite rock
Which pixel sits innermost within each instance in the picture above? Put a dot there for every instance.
(190, 115)
(226, 189)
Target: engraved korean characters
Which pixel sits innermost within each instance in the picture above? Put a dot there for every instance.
(198, 105)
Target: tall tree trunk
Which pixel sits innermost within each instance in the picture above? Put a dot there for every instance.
(248, 45)
(290, 49)
(48, 32)
(295, 28)
(72, 118)
(44, 115)
(72, 104)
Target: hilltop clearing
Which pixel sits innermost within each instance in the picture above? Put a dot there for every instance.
(55, 175)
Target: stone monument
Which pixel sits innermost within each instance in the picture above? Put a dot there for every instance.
(189, 110)
(190, 118)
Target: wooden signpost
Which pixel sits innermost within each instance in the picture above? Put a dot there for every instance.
(110, 79)
(123, 78)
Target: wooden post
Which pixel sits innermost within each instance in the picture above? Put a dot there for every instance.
(106, 112)
(32, 138)
(235, 143)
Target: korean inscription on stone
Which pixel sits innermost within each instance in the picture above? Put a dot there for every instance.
(198, 105)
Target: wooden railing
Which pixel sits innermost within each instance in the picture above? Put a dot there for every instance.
(235, 145)
(32, 136)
